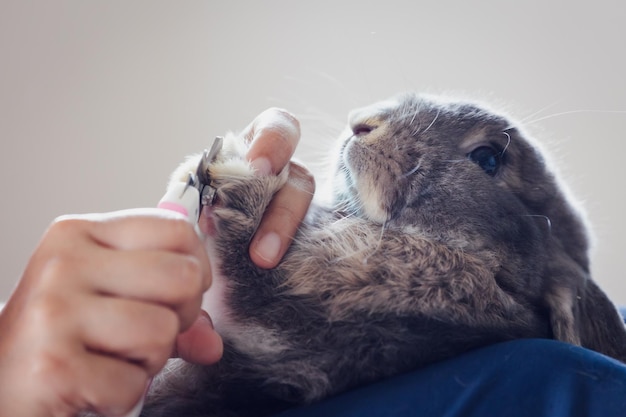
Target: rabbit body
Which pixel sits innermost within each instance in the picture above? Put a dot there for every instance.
(448, 231)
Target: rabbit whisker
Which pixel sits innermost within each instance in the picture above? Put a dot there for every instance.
(412, 171)
(508, 137)
(566, 113)
(538, 112)
(541, 216)
(433, 122)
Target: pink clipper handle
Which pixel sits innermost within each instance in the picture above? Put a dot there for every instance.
(183, 199)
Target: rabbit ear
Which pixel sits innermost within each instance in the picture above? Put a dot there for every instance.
(580, 312)
(600, 324)
(564, 278)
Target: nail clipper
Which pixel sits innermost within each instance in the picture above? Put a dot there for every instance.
(189, 197)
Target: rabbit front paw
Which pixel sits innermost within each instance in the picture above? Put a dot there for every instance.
(242, 195)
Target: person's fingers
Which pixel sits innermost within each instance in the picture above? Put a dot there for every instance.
(133, 331)
(145, 229)
(200, 343)
(282, 218)
(161, 277)
(139, 229)
(274, 135)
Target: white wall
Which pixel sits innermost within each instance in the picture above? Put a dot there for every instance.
(99, 100)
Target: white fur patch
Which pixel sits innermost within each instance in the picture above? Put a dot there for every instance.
(213, 301)
(371, 201)
(253, 340)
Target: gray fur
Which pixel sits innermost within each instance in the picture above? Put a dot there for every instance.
(423, 256)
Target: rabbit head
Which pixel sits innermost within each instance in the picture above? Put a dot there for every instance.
(470, 178)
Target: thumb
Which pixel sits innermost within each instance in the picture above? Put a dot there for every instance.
(200, 343)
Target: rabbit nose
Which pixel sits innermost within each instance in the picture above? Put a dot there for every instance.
(367, 119)
(362, 129)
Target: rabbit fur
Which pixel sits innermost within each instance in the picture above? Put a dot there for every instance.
(448, 231)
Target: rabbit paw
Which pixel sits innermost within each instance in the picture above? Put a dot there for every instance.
(242, 194)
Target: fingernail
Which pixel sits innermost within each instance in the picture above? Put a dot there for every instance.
(268, 247)
(204, 316)
(262, 166)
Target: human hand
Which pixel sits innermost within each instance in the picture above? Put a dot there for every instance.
(274, 135)
(97, 313)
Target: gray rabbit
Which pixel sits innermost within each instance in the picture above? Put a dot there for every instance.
(448, 231)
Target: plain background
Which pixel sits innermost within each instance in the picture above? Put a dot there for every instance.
(100, 100)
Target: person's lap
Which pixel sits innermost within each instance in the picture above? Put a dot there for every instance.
(530, 377)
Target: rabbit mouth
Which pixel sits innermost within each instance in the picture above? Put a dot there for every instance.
(359, 162)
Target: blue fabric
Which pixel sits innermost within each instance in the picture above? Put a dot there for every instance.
(521, 378)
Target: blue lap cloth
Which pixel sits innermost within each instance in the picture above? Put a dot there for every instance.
(521, 378)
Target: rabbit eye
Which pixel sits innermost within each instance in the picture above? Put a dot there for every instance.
(487, 158)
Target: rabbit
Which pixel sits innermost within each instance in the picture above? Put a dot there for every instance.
(448, 231)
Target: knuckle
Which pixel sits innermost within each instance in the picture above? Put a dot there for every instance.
(64, 226)
(181, 231)
(56, 372)
(57, 270)
(172, 326)
(49, 368)
(301, 177)
(45, 310)
(279, 124)
(168, 324)
(276, 137)
(287, 217)
(280, 113)
(157, 359)
(191, 277)
(162, 343)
